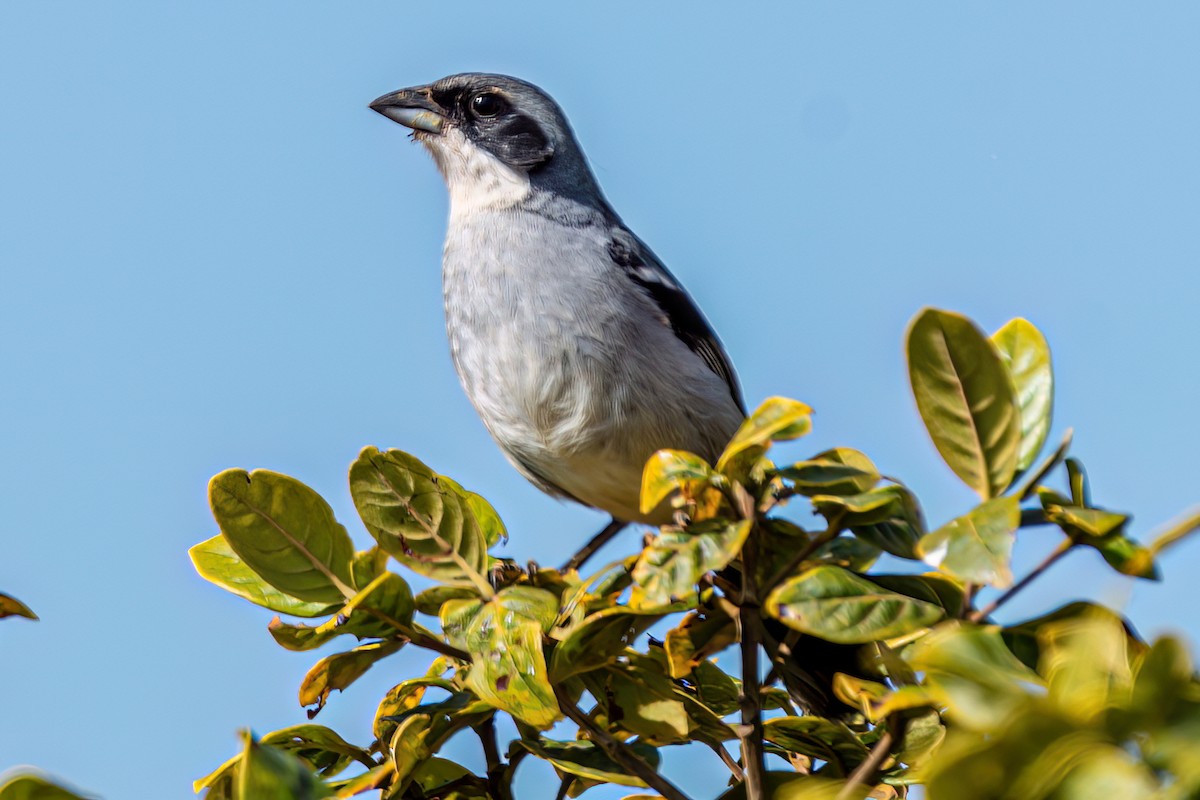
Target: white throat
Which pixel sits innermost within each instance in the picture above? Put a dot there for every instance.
(476, 179)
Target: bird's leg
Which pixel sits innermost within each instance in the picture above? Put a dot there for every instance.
(599, 540)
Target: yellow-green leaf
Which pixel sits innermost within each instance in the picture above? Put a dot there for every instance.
(285, 532)
(966, 398)
(669, 471)
(12, 607)
(777, 419)
(586, 760)
(383, 608)
(597, 639)
(424, 520)
(1027, 357)
(838, 606)
(216, 562)
(669, 567)
(268, 773)
(340, 670)
(842, 470)
(976, 547)
(34, 787)
(504, 637)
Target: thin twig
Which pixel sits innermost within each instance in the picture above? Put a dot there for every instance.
(563, 786)
(829, 534)
(728, 760)
(486, 731)
(865, 771)
(1058, 552)
(417, 638)
(750, 700)
(617, 750)
(594, 544)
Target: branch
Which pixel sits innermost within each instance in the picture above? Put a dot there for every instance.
(728, 760)
(486, 731)
(617, 750)
(750, 700)
(831, 531)
(867, 769)
(418, 638)
(1058, 552)
(595, 543)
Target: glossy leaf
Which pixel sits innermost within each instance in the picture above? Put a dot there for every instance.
(777, 419)
(698, 636)
(430, 600)
(339, 671)
(641, 701)
(839, 471)
(818, 738)
(790, 786)
(932, 587)
(863, 508)
(976, 547)
(587, 760)
(839, 606)
(384, 608)
(504, 635)
(1027, 357)
(596, 640)
(323, 749)
(267, 773)
(12, 607)
(672, 564)
(285, 532)
(424, 521)
(34, 787)
(966, 399)
(404, 697)
(669, 471)
(216, 562)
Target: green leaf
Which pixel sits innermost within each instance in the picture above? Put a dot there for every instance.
(34, 787)
(838, 606)
(430, 600)
(976, 547)
(339, 671)
(285, 532)
(586, 760)
(818, 738)
(596, 640)
(504, 636)
(670, 471)
(701, 634)
(321, 747)
(838, 471)
(1079, 521)
(12, 607)
(1025, 641)
(221, 782)
(384, 608)
(790, 786)
(1086, 662)
(641, 702)
(1027, 358)
(446, 780)
(777, 419)
(932, 587)
(672, 564)
(216, 562)
(267, 773)
(980, 679)
(424, 520)
(966, 398)
(866, 508)
(406, 696)
(848, 552)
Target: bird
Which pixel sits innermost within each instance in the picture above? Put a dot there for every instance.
(582, 354)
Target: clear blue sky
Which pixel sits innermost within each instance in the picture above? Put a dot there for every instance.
(213, 255)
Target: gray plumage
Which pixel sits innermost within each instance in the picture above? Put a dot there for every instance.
(579, 350)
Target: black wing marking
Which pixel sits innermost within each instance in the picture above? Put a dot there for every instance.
(685, 319)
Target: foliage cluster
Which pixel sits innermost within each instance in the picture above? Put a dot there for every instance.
(852, 681)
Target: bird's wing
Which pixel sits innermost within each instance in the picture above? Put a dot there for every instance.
(637, 261)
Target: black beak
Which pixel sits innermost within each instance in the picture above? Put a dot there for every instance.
(413, 108)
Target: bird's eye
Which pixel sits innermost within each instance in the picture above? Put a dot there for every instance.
(487, 105)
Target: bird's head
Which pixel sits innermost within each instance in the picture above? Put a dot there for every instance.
(494, 138)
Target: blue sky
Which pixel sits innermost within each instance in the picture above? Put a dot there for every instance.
(213, 255)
